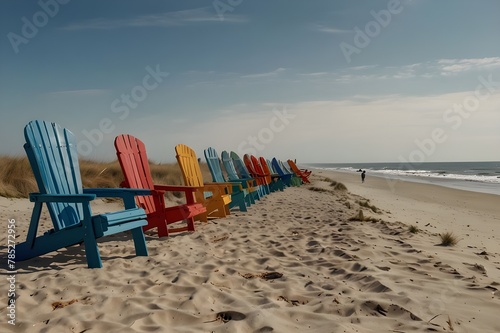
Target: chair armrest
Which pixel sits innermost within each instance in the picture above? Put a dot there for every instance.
(217, 188)
(116, 192)
(127, 194)
(232, 184)
(229, 186)
(76, 198)
(176, 188)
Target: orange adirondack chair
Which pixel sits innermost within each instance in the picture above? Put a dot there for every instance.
(215, 197)
(275, 178)
(133, 160)
(303, 174)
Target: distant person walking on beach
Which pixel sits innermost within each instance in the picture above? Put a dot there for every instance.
(363, 175)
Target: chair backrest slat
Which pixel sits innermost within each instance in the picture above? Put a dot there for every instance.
(214, 165)
(131, 153)
(188, 162)
(52, 153)
(232, 175)
(240, 166)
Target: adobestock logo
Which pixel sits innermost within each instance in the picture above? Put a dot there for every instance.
(40, 19)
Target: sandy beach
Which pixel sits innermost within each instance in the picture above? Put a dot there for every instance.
(295, 262)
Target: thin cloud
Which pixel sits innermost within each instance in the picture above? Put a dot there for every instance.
(268, 74)
(167, 19)
(76, 93)
(429, 69)
(360, 68)
(330, 30)
(454, 66)
(315, 74)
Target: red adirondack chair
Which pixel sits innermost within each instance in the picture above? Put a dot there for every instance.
(133, 160)
(259, 176)
(253, 166)
(302, 173)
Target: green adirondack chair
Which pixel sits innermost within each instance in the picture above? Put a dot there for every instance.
(53, 157)
(239, 196)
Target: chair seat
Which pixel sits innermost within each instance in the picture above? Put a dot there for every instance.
(178, 213)
(103, 222)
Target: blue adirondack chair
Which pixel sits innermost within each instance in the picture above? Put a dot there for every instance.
(296, 180)
(239, 196)
(243, 172)
(53, 157)
(232, 175)
(286, 177)
(273, 171)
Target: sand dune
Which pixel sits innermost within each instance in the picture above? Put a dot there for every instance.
(294, 262)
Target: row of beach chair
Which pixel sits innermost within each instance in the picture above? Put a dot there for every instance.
(52, 153)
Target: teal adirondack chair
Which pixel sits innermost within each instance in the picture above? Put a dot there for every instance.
(248, 183)
(53, 157)
(239, 196)
(244, 173)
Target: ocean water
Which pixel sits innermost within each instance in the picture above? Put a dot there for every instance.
(472, 176)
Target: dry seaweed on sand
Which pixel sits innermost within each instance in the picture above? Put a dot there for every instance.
(265, 275)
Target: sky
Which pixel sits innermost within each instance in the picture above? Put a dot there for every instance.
(318, 81)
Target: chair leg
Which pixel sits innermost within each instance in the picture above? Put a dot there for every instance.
(162, 229)
(139, 242)
(91, 249)
(190, 224)
(238, 199)
(251, 197)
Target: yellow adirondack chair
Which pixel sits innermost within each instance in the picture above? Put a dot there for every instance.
(215, 197)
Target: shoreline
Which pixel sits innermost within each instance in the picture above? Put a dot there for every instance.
(446, 209)
(465, 185)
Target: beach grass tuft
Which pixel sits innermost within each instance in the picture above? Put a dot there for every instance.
(338, 186)
(318, 189)
(448, 239)
(367, 205)
(413, 229)
(361, 217)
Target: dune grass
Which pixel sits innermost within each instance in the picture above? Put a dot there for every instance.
(318, 189)
(448, 239)
(17, 179)
(338, 186)
(413, 229)
(367, 205)
(361, 217)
